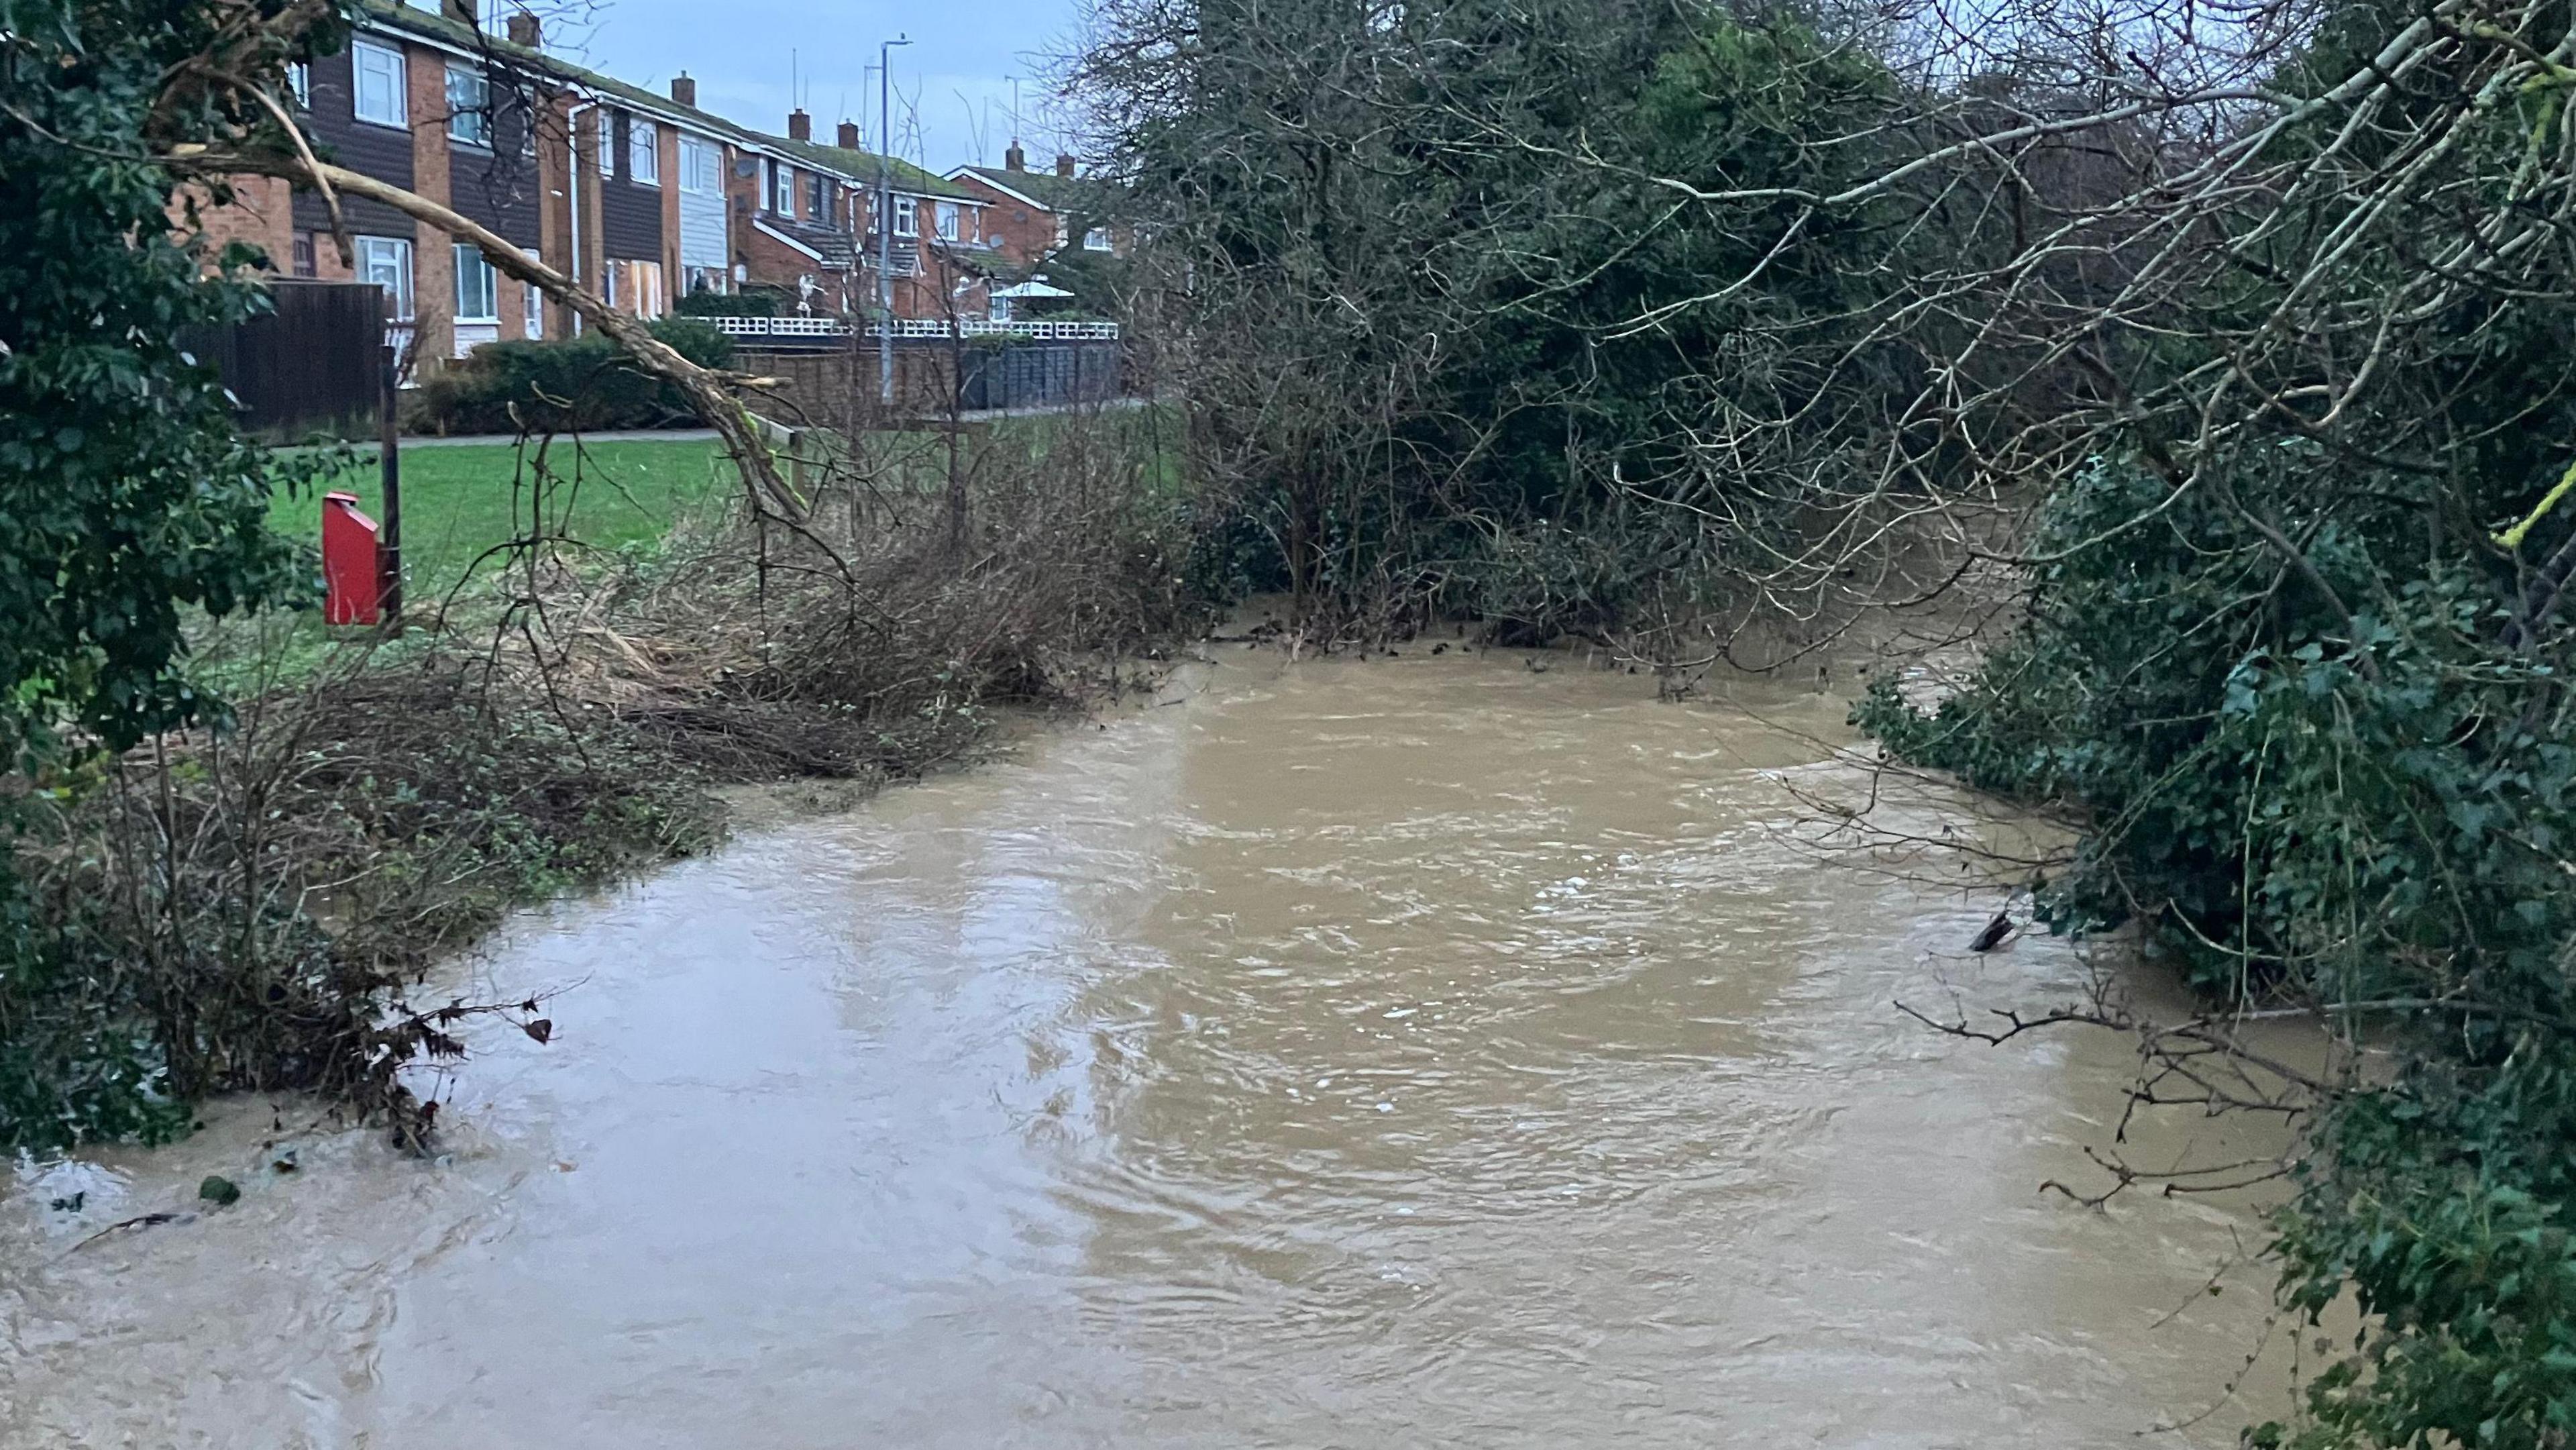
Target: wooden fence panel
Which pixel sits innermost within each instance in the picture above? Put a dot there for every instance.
(313, 367)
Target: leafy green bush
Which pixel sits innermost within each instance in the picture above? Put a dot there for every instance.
(583, 384)
(2369, 815)
(750, 302)
(126, 499)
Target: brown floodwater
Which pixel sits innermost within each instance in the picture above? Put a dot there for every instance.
(1427, 1051)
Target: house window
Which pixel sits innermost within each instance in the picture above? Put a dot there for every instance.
(477, 286)
(1096, 240)
(818, 206)
(607, 143)
(532, 304)
(469, 107)
(643, 153)
(635, 288)
(299, 83)
(707, 281)
(379, 71)
(648, 289)
(948, 220)
(907, 216)
(782, 189)
(303, 252)
(386, 261)
(701, 167)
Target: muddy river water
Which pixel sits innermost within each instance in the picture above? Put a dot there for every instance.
(1412, 1052)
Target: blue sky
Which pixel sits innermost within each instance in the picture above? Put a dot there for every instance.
(739, 53)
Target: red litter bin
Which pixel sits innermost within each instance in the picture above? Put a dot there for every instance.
(353, 583)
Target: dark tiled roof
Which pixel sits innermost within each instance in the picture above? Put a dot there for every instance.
(1047, 189)
(838, 248)
(859, 168)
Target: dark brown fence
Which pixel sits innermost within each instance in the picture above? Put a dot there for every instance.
(312, 368)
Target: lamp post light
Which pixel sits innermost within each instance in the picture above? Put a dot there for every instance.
(885, 219)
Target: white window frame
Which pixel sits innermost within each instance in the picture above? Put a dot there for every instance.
(469, 107)
(907, 216)
(782, 189)
(362, 53)
(949, 217)
(1096, 240)
(532, 303)
(643, 152)
(701, 166)
(472, 265)
(299, 83)
(607, 142)
(395, 255)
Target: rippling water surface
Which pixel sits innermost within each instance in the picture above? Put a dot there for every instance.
(1405, 1052)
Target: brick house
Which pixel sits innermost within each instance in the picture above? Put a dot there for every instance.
(639, 196)
(620, 189)
(1035, 215)
(805, 224)
(429, 104)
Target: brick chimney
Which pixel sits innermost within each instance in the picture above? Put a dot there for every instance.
(524, 30)
(800, 127)
(460, 11)
(684, 90)
(1063, 164)
(1015, 159)
(849, 135)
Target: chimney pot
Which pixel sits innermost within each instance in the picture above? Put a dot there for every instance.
(1063, 164)
(524, 30)
(849, 135)
(800, 127)
(684, 90)
(1015, 159)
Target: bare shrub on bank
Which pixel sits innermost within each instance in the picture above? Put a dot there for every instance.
(260, 905)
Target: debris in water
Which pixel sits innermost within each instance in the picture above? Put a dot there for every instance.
(149, 1220)
(1994, 934)
(71, 1204)
(220, 1191)
(2015, 915)
(541, 1029)
(285, 1162)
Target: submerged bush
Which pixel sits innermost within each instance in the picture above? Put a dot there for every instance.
(2371, 816)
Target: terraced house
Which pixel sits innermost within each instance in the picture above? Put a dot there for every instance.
(426, 103)
(639, 196)
(1034, 215)
(806, 227)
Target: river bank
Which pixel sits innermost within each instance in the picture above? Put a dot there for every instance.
(1427, 1050)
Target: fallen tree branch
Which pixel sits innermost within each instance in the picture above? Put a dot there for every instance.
(704, 388)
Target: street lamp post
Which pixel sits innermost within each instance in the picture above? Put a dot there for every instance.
(885, 220)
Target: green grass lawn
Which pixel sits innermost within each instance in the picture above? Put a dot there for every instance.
(461, 500)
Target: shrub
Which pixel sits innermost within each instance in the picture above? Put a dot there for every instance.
(582, 384)
(752, 302)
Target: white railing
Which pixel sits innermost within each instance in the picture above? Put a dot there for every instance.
(821, 328)
(781, 326)
(1036, 328)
